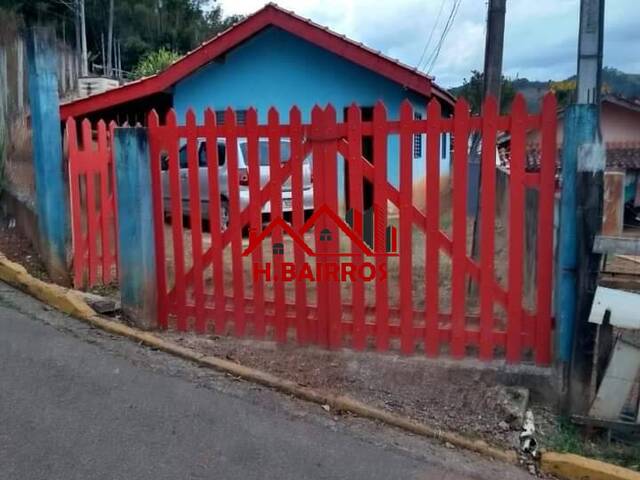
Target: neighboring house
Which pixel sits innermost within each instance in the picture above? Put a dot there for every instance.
(276, 58)
(620, 128)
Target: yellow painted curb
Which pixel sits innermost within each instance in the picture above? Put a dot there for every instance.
(71, 303)
(574, 467)
(61, 298)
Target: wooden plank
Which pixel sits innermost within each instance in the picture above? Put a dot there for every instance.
(256, 217)
(331, 200)
(321, 334)
(235, 225)
(74, 201)
(172, 148)
(407, 344)
(545, 230)
(432, 244)
(610, 424)
(113, 199)
(155, 135)
(380, 137)
(354, 121)
(215, 228)
(516, 232)
(617, 383)
(276, 212)
(105, 211)
(487, 226)
(459, 227)
(195, 219)
(616, 245)
(297, 182)
(90, 201)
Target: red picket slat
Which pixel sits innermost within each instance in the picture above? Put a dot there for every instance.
(256, 218)
(458, 258)
(321, 328)
(432, 246)
(90, 201)
(407, 343)
(195, 218)
(105, 210)
(113, 201)
(297, 179)
(158, 217)
(487, 225)
(331, 200)
(74, 200)
(276, 212)
(516, 228)
(356, 204)
(215, 227)
(380, 135)
(172, 148)
(545, 230)
(235, 226)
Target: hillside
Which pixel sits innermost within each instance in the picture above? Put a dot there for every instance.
(619, 83)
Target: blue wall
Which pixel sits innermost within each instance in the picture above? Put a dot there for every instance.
(278, 69)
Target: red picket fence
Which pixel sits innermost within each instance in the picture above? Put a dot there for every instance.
(214, 279)
(93, 204)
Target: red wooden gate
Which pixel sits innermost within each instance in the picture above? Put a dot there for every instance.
(93, 204)
(217, 280)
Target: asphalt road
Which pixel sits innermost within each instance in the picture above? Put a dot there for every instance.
(76, 403)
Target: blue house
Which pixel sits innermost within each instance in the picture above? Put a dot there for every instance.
(276, 58)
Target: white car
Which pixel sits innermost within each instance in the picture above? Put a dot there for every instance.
(243, 176)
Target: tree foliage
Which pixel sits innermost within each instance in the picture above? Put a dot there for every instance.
(472, 90)
(141, 26)
(154, 62)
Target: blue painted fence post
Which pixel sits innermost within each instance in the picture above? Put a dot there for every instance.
(52, 204)
(136, 255)
(580, 128)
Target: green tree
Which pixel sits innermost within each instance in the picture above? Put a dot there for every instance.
(473, 91)
(154, 62)
(141, 26)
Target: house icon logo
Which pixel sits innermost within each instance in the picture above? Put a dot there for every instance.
(358, 228)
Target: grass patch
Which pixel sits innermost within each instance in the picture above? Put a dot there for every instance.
(568, 438)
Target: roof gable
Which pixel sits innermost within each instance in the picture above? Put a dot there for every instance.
(270, 15)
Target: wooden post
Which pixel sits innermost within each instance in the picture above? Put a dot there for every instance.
(136, 258)
(50, 175)
(613, 203)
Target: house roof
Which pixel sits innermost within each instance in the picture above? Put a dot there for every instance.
(270, 15)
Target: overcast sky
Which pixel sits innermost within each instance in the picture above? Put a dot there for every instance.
(540, 38)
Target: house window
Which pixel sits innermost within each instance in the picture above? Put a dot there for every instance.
(417, 138)
(241, 117)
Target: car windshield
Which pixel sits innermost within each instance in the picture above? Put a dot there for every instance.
(263, 152)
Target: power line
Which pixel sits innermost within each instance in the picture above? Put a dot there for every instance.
(433, 29)
(445, 32)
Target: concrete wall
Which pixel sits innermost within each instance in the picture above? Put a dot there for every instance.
(278, 69)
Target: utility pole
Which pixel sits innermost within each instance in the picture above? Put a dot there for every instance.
(110, 47)
(492, 75)
(84, 63)
(583, 162)
(76, 27)
(493, 48)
